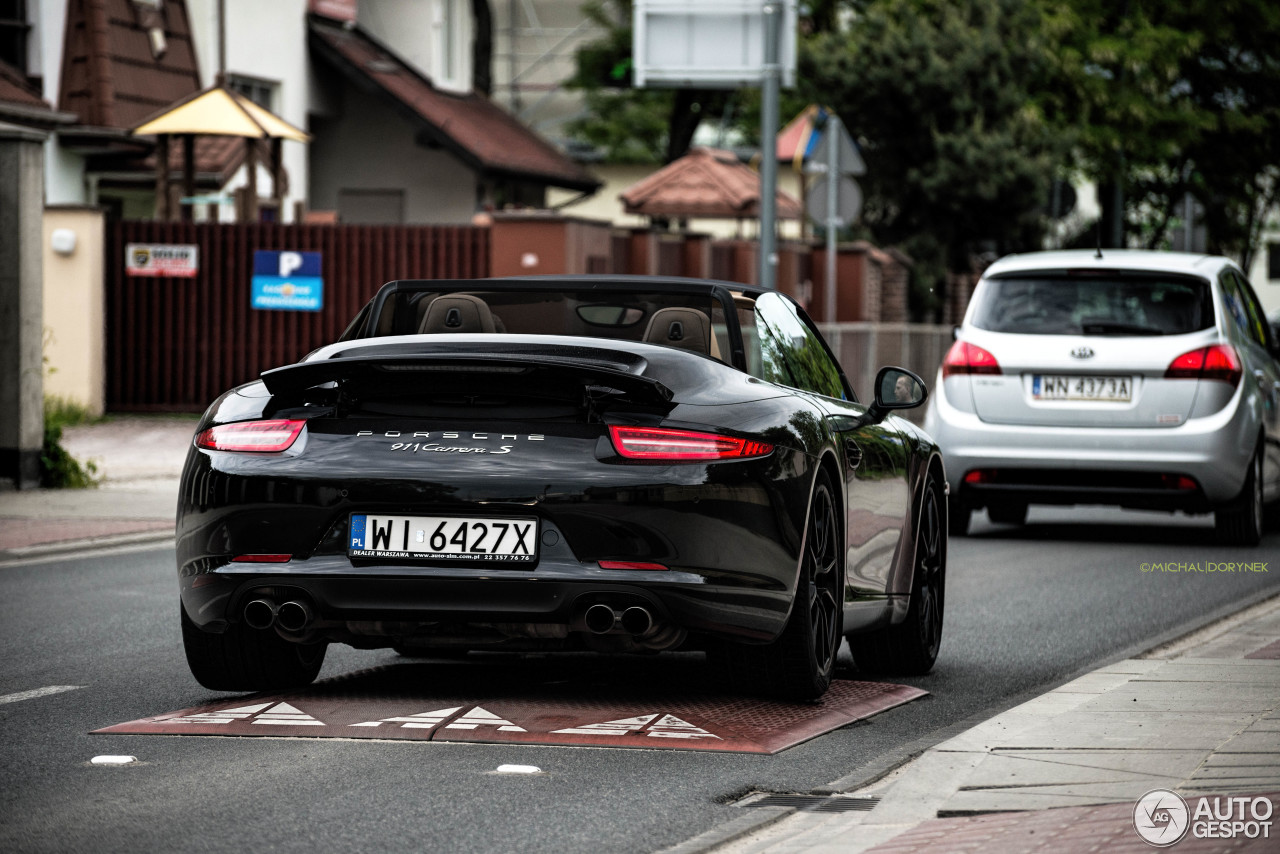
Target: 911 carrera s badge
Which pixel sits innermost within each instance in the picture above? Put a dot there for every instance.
(411, 442)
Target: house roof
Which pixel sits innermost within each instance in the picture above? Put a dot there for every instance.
(14, 89)
(475, 130)
(220, 111)
(21, 103)
(797, 139)
(706, 183)
(111, 75)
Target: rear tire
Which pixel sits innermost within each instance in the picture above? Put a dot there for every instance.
(798, 665)
(1240, 522)
(245, 659)
(911, 647)
(958, 517)
(1008, 514)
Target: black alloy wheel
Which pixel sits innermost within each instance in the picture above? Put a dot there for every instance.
(911, 647)
(822, 566)
(799, 664)
(930, 589)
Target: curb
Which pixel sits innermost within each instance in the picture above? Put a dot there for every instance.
(730, 831)
(902, 757)
(45, 551)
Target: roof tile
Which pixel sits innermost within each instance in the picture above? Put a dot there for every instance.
(478, 131)
(704, 183)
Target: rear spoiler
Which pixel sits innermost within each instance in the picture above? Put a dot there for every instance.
(619, 376)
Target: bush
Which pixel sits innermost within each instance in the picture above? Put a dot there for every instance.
(58, 469)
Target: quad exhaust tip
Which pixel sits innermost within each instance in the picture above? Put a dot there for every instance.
(601, 619)
(637, 620)
(293, 616)
(260, 614)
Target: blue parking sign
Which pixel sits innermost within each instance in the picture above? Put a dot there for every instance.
(287, 281)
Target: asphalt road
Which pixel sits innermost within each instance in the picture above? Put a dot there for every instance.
(1026, 609)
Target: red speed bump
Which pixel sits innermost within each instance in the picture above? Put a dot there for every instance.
(688, 722)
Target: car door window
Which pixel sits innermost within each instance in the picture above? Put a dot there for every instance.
(1236, 307)
(1253, 311)
(790, 352)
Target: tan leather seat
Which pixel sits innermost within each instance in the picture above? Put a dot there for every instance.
(457, 313)
(685, 328)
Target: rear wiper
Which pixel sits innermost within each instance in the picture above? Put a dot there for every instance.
(1115, 327)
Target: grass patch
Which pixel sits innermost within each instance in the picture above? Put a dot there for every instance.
(58, 469)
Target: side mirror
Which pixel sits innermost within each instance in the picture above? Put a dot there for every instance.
(897, 388)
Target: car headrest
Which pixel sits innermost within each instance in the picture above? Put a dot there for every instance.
(457, 313)
(685, 328)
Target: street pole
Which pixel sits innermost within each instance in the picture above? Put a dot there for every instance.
(221, 78)
(833, 190)
(770, 86)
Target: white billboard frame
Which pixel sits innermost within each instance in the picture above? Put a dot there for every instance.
(708, 44)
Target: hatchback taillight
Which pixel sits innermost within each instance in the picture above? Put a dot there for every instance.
(1216, 362)
(262, 436)
(661, 444)
(966, 358)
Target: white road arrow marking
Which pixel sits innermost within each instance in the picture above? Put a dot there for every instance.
(283, 713)
(668, 727)
(672, 727)
(478, 717)
(225, 716)
(422, 720)
(619, 727)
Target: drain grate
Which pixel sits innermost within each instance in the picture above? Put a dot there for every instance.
(812, 803)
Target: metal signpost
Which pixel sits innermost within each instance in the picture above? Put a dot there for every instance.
(837, 201)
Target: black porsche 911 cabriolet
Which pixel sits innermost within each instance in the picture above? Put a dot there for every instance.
(574, 462)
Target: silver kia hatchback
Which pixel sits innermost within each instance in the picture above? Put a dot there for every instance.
(1139, 379)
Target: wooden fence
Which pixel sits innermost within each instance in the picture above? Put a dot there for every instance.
(174, 344)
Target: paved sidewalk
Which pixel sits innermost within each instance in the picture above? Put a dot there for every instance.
(1200, 717)
(139, 460)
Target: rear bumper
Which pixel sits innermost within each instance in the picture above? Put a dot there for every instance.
(729, 534)
(1115, 466)
(389, 602)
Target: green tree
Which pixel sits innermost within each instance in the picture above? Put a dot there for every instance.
(1166, 99)
(658, 125)
(633, 125)
(943, 98)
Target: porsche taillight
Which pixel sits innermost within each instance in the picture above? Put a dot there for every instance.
(261, 436)
(1215, 362)
(663, 444)
(966, 358)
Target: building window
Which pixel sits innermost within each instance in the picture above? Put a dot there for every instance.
(261, 92)
(13, 33)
